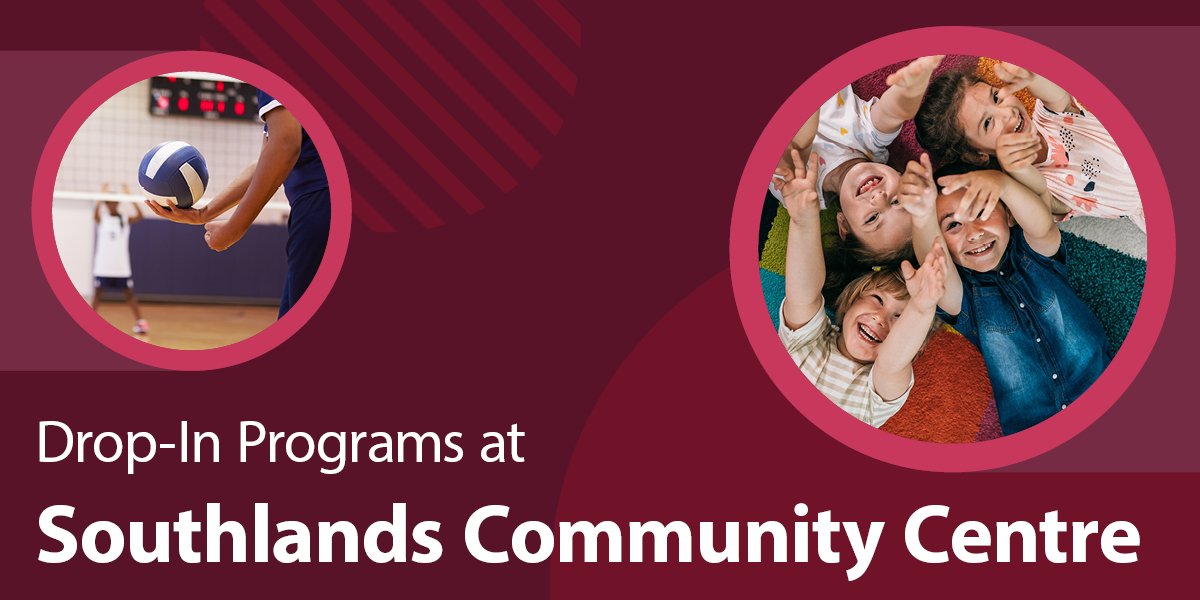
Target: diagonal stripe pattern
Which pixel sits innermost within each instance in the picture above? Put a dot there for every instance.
(438, 107)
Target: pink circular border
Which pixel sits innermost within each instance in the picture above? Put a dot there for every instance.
(43, 230)
(747, 287)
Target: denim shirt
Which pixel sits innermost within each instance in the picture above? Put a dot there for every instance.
(1042, 345)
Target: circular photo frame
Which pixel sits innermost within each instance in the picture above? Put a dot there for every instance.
(239, 347)
(750, 270)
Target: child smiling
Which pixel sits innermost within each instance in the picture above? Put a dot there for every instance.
(1009, 295)
(852, 135)
(1061, 152)
(865, 365)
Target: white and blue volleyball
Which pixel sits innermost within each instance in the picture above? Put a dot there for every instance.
(174, 174)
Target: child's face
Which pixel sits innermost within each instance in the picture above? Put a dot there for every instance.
(976, 245)
(868, 322)
(984, 117)
(871, 209)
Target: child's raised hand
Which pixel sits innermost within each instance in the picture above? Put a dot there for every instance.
(918, 193)
(1015, 78)
(916, 74)
(926, 285)
(1016, 151)
(799, 186)
(983, 192)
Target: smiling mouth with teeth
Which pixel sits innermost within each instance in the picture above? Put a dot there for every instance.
(869, 184)
(1020, 124)
(982, 249)
(865, 333)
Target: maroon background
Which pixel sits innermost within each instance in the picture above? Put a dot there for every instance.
(592, 282)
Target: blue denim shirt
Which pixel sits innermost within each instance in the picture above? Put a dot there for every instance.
(1042, 345)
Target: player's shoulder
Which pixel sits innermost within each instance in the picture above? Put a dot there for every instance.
(266, 103)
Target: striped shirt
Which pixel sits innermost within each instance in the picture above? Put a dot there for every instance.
(845, 381)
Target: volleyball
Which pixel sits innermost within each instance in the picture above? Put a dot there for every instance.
(173, 174)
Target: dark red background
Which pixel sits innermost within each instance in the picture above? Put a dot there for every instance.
(593, 284)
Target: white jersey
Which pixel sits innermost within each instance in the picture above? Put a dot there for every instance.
(112, 247)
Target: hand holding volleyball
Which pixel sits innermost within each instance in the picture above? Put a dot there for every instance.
(187, 216)
(173, 174)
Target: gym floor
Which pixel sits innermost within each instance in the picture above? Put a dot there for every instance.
(191, 326)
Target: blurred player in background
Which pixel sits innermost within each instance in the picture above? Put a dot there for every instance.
(290, 159)
(111, 269)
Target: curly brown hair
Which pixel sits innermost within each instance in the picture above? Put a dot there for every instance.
(938, 131)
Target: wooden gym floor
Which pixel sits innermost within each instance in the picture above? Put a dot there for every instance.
(191, 326)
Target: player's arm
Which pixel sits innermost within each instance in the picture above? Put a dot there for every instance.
(279, 154)
(231, 195)
(99, 203)
(137, 210)
(225, 200)
(902, 99)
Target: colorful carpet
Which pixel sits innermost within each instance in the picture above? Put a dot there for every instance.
(952, 401)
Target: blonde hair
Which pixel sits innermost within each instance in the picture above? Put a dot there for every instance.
(887, 279)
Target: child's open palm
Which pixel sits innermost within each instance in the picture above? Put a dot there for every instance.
(918, 193)
(1016, 78)
(1016, 151)
(982, 195)
(927, 284)
(916, 74)
(799, 185)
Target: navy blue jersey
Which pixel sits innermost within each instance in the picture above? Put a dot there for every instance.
(308, 175)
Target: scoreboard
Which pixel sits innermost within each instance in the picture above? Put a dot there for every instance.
(205, 98)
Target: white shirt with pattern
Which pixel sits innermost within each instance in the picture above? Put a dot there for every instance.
(846, 132)
(1084, 168)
